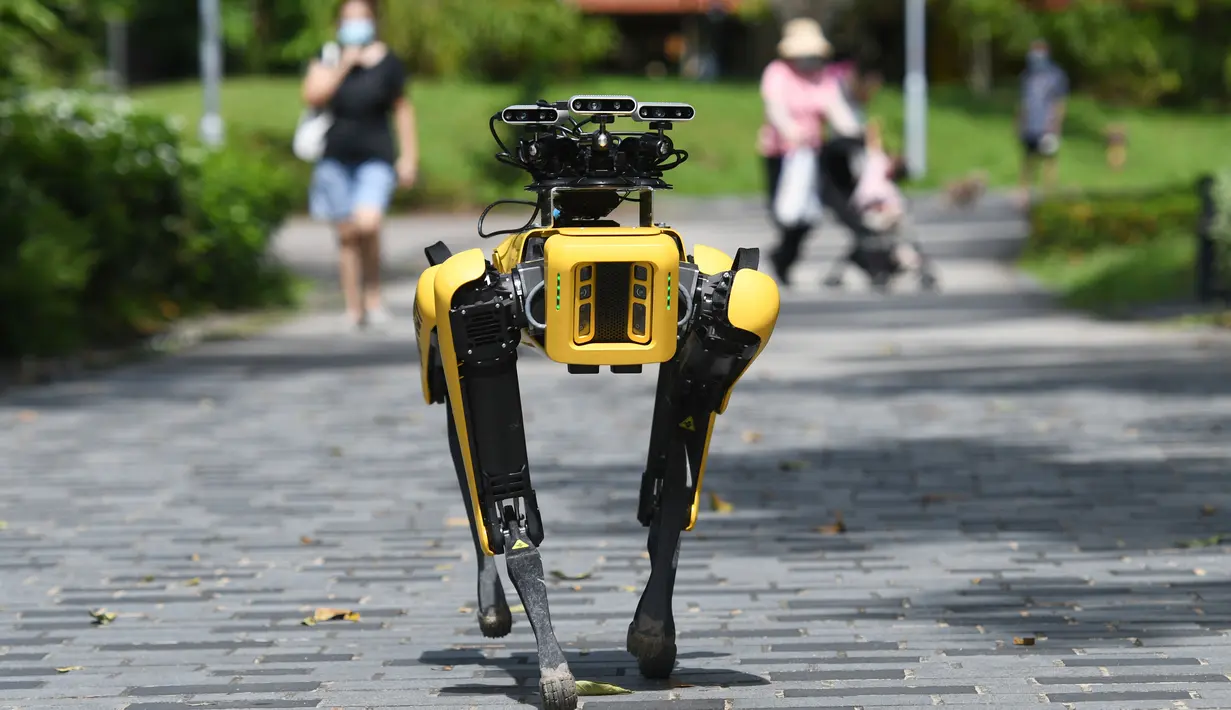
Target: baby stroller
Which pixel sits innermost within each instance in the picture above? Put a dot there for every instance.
(859, 187)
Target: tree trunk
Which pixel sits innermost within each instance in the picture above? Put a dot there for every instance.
(980, 78)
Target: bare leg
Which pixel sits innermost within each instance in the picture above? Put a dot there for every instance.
(368, 223)
(495, 619)
(349, 270)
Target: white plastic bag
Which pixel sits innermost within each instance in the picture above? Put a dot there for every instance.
(798, 202)
(309, 142)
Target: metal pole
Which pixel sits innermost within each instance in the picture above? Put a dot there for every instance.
(211, 72)
(117, 53)
(916, 87)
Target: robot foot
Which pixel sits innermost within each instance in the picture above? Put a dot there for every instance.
(653, 647)
(556, 682)
(495, 618)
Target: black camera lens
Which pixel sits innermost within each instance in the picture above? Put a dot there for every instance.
(659, 113)
(596, 106)
(521, 116)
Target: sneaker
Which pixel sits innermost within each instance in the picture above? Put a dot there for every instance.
(355, 322)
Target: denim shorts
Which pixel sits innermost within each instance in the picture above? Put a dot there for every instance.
(338, 190)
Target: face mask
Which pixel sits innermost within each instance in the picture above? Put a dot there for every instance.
(356, 32)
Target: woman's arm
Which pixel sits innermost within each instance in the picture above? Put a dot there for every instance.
(408, 139)
(322, 81)
(773, 90)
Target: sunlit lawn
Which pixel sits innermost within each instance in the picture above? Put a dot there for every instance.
(965, 133)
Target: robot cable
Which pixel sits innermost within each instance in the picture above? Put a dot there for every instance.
(533, 216)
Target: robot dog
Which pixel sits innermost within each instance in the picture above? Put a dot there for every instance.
(588, 293)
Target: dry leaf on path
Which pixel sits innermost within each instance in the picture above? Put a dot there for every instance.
(102, 617)
(836, 528)
(27, 415)
(69, 669)
(1023, 641)
(571, 577)
(792, 465)
(719, 505)
(1207, 510)
(195, 581)
(1211, 541)
(305, 540)
(589, 687)
(517, 609)
(457, 522)
(335, 451)
(751, 437)
(327, 614)
(148, 578)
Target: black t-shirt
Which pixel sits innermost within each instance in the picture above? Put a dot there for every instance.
(362, 107)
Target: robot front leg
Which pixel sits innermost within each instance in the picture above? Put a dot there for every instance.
(478, 342)
(495, 617)
(735, 314)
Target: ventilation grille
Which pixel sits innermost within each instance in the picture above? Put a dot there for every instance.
(484, 328)
(611, 302)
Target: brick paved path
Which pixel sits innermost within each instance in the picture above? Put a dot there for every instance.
(1003, 471)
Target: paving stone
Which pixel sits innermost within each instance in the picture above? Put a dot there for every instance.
(1004, 472)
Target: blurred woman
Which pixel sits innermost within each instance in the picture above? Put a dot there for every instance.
(798, 96)
(361, 166)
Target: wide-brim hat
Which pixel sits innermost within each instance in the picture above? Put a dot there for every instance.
(802, 37)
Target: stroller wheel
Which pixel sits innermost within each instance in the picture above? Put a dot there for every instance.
(929, 282)
(833, 282)
(880, 281)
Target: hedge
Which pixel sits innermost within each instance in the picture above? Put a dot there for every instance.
(114, 225)
(1082, 223)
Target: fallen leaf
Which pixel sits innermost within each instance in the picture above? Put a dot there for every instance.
(630, 589)
(1204, 542)
(1023, 641)
(792, 465)
(836, 528)
(195, 581)
(1199, 572)
(457, 523)
(69, 669)
(446, 668)
(327, 614)
(309, 621)
(27, 415)
(571, 577)
(305, 540)
(1207, 510)
(148, 578)
(589, 687)
(102, 617)
(195, 557)
(719, 505)
(335, 451)
(751, 437)
(465, 610)
(517, 609)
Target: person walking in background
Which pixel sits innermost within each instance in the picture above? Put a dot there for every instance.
(797, 96)
(361, 166)
(1040, 116)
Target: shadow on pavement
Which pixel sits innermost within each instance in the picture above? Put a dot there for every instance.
(613, 667)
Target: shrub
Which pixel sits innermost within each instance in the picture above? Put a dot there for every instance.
(113, 227)
(1079, 224)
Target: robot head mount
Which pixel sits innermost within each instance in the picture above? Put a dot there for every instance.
(578, 164)
(560, 151)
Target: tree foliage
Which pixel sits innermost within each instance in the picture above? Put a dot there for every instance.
(1142, 51)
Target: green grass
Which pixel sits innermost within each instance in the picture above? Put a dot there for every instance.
(1113, 280)
(965, 133)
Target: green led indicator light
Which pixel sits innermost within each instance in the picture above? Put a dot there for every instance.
(557, 291)
(668, 291)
